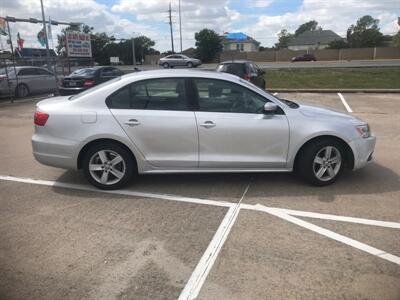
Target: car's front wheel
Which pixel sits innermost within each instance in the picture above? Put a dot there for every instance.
(108, 166)
(321, 163)
(165, 65)
(190, 64)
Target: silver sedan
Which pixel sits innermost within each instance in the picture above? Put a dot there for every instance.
(186, 121)
(179, 60)
(29, 80)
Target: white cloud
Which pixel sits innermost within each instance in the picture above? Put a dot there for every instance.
(260, 3)
(149, 17)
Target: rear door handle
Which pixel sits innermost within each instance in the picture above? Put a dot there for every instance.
(132, 122)
(208, 124)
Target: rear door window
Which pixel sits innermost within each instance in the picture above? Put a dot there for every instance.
(154, 94)
(236, 69)
(28, 72)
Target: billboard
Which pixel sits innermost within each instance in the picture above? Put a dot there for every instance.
(78, 44)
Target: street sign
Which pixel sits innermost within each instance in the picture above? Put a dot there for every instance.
(78, 44)
(114, 59)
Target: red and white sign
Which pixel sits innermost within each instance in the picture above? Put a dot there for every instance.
(78, 44)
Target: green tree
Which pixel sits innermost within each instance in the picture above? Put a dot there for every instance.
(284, 37)
(309, 26)
(208, 44)
(365, 33)
(338, 44)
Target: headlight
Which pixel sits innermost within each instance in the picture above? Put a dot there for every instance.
(364, 131)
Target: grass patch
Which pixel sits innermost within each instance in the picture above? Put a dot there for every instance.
(326, 78)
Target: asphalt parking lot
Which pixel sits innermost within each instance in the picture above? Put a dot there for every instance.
(228, 236)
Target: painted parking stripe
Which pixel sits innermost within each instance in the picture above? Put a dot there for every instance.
(217, 242)
(275, 94)
(200, 273)
(307, 214)
(117, 192)
(335, 236)
(346, 105)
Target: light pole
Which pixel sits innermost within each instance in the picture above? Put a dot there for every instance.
(133, 52)
(47, 39)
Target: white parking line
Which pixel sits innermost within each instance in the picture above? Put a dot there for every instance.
(200, 273)
(275, 94)
(335, 236)
(346, 105)
(206, 262)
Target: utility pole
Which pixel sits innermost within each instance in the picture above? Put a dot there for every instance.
(47, 38)
(180, 24)
(133, 52)
(170, 25)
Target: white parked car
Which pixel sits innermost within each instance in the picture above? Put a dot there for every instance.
(185, 121)
(179, 60)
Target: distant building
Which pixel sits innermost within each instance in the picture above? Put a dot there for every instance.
(312, 40)
(238, 41)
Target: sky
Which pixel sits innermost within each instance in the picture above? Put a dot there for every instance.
(261, 19)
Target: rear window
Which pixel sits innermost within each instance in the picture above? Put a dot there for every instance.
(235, 69)
(84, 72)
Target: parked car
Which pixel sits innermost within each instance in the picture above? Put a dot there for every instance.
(86, 78)
(244, 69)
(25, 81)
(304, 57)
(176, 60)
(183, 121)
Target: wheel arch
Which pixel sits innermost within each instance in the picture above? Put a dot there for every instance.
(18, 85)
(349, 154)
(102, 140)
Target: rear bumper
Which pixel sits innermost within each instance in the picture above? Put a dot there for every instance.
(363, 150)
(55, 152)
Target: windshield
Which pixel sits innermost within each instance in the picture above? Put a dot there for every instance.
(83, 72)
(93, 89)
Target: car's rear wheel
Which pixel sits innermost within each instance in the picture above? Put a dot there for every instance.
(108, 166)
(321, 163)
(22, 90)
(190, 64)
(166, 65)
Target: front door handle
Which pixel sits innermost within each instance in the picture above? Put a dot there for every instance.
(132, 122)
(208, 124)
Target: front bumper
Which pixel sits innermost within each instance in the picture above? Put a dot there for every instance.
(363, 150)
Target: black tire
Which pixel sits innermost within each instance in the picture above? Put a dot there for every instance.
(22, 90)
(128, 161)
(189, 64)
(306, 168)
(165, 65)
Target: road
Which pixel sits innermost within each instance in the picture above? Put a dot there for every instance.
(218, 236)
(289, 65)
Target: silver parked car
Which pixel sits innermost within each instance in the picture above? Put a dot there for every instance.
(185, 121)
(29, 80)
(176, 60)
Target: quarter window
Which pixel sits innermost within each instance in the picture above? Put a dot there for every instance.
(223, 96)
(154, 94)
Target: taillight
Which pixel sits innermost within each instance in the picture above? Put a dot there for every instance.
(3, 77)
(247, 77)
(88, 82)
(40, 118)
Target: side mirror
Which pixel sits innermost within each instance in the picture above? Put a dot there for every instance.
(270, 107)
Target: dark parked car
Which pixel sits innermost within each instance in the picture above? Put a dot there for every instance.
(304, 57)
(83, 79)
(244, 69)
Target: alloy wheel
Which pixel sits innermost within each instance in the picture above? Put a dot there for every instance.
(327, 163)
(107, 167)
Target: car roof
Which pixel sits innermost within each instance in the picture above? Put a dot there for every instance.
(180, 73)
(238, 61)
